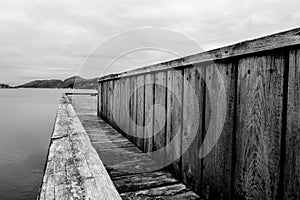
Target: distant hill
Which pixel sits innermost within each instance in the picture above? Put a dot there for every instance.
(72, 82)
(2, 85)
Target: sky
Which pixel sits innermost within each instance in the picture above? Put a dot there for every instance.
(55, 39)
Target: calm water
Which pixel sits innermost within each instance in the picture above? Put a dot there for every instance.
(26, 123)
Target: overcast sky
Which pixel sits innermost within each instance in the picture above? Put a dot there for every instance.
(43, 39)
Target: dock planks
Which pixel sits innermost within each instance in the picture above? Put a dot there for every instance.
(128, 167)
(74, 170)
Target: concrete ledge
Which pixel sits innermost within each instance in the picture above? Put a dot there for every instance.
(74, 169)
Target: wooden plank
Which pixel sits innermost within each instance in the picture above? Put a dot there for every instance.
(126, 104)
(292, 159)
(128, 166)
(115, 152)
(267, 43)
(217, 165)
(143, 181)
(132, 110)
(149, 111)
(121, 105)
(192, 127)
(74, 170)
(174, 120)
(170, 192)
(108, 114)
(116, 106)
(160, 120)
(99, 96)
(105, 100)
(102, 100)
(112, 100)
(140, 107)
(259, 125)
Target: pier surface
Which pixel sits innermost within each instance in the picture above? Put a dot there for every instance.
(73, 169)
(128, 167)
(88, 159)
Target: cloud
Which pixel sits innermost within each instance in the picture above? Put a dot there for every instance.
(50, 38)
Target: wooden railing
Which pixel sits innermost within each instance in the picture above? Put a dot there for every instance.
(256, 155)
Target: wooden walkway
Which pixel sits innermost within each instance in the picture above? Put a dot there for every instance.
(126, 164)
(74, 169)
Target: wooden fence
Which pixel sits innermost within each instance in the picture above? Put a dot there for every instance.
(257, 155)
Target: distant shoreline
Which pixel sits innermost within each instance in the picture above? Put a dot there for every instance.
(74, 82)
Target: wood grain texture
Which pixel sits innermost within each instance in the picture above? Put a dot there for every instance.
(159, 130)
(143, 181)
(114, 104)
(106, 101)
(74, 170)
(126, 164)
(174, 120)
(117, 104)
(103, 100)
(170, 192)
(110, 102)
(126, 106)
(292, 159)
(99, 100)
(259, 125)
(192, 127)
(149, 95)
(257, 154)
(140, 107)
(103, 96)
(122, 120)
(217, 165)
(132, 110)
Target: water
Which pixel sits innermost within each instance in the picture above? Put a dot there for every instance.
(26, 123)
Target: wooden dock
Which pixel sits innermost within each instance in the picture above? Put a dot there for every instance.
(126, 164)
(231, 117)
(88, 159)
(242, 145)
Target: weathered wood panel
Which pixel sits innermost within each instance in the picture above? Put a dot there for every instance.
(292, 159)
(110, 101)
(103, 104)
(143, 181)
(132, 110)
(174, 120)
(170, 192)
(192, 127)
(117, 105)
(259, 125)
(159, 130)
(74, 170)
(140, 107)
(104, 100)
(127, 164)
(107, 101)
(123, 120)
(149, 111)
(217, 165)
(99, 101)
(257, 153)
(126, 106)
